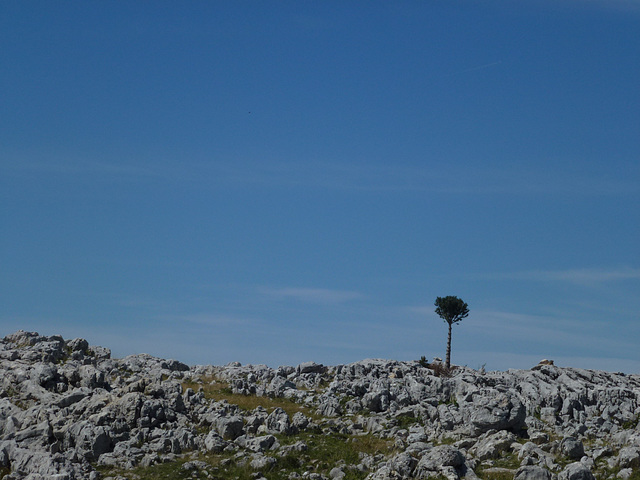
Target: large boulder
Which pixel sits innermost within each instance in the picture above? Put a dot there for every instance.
(45, 375)
(214, 442)
(532, 472)
(257, 444)
(229, 428)
(493, 445)
(572, 448)
(402, 464)
(629, 457)
(438, 457)
(89, 440)
(310, 367)
(576, 471)
(496, 411)
(41, 434)
(278, 422)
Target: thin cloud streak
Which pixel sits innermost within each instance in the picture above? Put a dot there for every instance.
(343, 176)
(87, 168)
(627, 6)
(479, 67)
(212, 320)
(539, 332)
(580, 276)
(548, 331)
(313, 295)
(406, 178)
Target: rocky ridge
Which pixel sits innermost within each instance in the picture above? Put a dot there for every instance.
(69, 411)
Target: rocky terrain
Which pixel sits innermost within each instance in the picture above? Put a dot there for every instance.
(70, 411)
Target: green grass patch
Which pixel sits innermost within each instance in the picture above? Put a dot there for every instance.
(508, 461)
(218, 390)
(11, 392)
(334, 448)
(631, 424)
(505, 468)
(405, 421)
(324, 452)
(452, 400)
(162, 471)
(496, 475)
(446, 441)
(606, 472)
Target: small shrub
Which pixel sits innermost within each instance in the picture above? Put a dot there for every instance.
(405, 421)
(447, 441)
(452, 400)
(631, 424)
(441, 370)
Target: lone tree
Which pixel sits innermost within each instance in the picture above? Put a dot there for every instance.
(451, 310)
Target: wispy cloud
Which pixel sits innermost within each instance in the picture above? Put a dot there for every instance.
(421, 310)
(581, 276)
(313, 295)
(477, 67)
(555, 328)
(625, 6)
(325, 174)
(212, 319)
(496, 319)
(434, 177)
(86, 167)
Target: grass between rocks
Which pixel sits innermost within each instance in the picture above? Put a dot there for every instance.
(613, 473)
(634, 476)
(14, 397)
(405, 421)
(502, 468)
(323, 453)
(631, 424)
(329, 450)
(218, 390)
(497, 474)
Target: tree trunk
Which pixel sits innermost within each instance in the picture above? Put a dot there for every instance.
(448, 362)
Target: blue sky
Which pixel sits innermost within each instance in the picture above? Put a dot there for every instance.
(277, 182)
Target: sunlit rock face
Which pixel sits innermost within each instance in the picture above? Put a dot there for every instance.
(67, 410)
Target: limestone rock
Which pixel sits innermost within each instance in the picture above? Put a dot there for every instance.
(572, 448)
(532, 472)
(629, 457)
(576, 471)
(278, 422)
(310, 367)
(230, 428)
(66, 406)
(436, 458)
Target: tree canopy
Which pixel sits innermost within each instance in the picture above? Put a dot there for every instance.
(451, 309)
